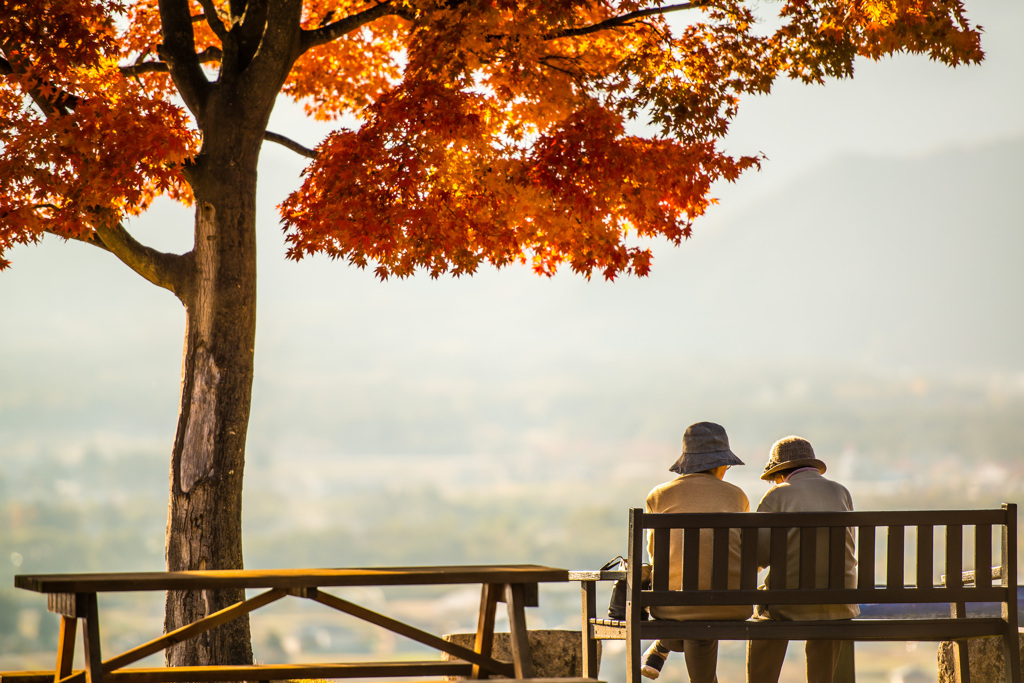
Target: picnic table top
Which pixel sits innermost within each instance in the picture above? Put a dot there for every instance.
(288, 578)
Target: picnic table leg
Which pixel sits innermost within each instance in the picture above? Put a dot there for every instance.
(515, 600)
(588, 595)
(485, 625)
(91, 638)
(65, 647)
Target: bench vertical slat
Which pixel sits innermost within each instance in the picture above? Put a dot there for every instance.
(894, 557)
(777, 557)
(720, 559)
(662, 543)
(954, 555)
(866, 557)
(748, 559)
(837, 557)
(633, 604)
(983, 555)
(925, 553)
(808, 556)
(1011, 641)
(691, 559)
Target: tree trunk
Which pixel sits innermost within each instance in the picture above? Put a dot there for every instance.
(204, 524)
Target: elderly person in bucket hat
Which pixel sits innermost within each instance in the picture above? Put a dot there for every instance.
(698, 488)
(800, 487)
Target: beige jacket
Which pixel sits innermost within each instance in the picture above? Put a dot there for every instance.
(699, 493)
(808, 491)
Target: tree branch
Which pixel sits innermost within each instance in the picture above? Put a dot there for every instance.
(178, 51)
(58, 103)
(290, 144)
(278, 43)
(335, 30)
(625, 19)
(212, 20)
(253, 26)
(162, 269)
(210, 54)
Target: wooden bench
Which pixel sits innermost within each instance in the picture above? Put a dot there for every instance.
(74, 598)
(884, 577)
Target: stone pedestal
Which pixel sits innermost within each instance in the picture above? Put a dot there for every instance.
(986, 656)
(556, 653)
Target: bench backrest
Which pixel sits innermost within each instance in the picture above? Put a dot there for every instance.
(882, 577)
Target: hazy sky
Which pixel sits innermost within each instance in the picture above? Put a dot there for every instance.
(77, 324)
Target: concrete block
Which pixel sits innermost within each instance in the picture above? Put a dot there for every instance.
(986, 657)
(556, 653)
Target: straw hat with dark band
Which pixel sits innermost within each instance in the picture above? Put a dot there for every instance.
(790, 453)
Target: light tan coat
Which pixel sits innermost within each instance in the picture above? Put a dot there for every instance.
(808, 491)
(699, 493)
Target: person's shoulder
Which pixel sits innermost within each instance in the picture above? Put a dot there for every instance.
(836, 485)
(771, 498)
(844, 493)
(660, 489)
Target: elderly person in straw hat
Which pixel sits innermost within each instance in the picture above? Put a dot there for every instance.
(800, 487)
(698, 488)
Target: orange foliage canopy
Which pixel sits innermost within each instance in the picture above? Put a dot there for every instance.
(477, 130)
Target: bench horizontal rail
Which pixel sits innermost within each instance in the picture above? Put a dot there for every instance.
(823, 596)
(767, 520)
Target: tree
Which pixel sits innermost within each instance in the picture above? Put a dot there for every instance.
(470, 132)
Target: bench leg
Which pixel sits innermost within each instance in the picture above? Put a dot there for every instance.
(958, 610)
(1011, 655)
(845, 669)
(633, 663)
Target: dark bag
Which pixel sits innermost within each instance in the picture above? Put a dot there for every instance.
(617, 604)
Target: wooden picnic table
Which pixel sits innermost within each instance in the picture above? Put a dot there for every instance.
(74, 598)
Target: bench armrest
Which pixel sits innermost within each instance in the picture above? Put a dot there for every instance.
(592, 575)
(967, 577)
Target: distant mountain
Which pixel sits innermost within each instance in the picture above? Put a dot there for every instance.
(897, 262)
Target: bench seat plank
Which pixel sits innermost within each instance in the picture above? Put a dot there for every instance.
(842, 629)
(257, 672)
